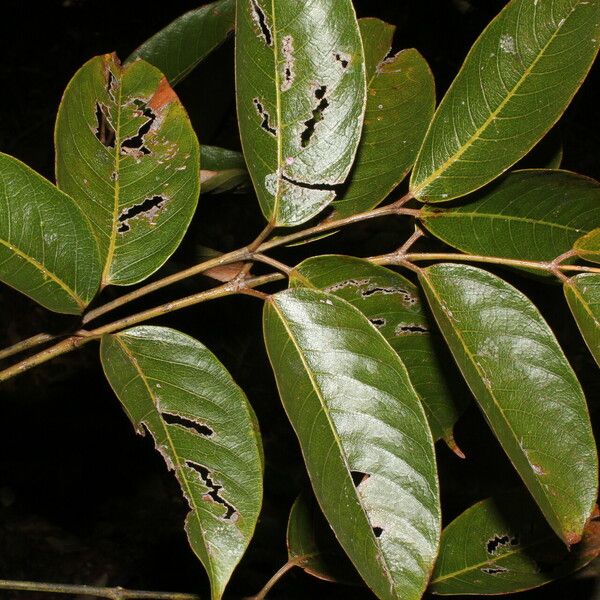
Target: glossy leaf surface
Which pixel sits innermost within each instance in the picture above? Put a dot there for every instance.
(222, 170)
(583, 296)
(400, 105)
(393, 304)
(528, 215)
(310, 538)
(503, 545)
(364, 436)
(515, 83)
(300, 80)
(177, 49)
(175, 389)
(47, 248)
(127, 153)
(525, 388)
(588, 246)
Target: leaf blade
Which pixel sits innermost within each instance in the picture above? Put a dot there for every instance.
(177, 49)
(583, 296)
(349, 370)
(47, 248)
(588, 246)
(300, 90)
(208, 438)
(400, 105)
(525, 387)
(503, 545)
(516, 81)
(127, 153)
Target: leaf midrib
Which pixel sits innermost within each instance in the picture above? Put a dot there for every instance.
(65, 287)
(480, 130)
(332, 427)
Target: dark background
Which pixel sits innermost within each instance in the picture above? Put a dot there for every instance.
(82, 499)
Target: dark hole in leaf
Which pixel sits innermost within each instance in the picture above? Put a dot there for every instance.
(266, 119)
(317, 115)
(342, 60)
(378, 321)
(501, 540)
(214, 488)
(199, 428)
(261, 20)
(377, 531)
(136, 142)
(287, 47)
(358, 477)
(149, 208)
(110, 84)
(105, 132)
(381, 290)
(494, 570)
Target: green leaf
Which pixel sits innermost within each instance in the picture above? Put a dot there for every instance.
(393, 304)
(127, 153)
(588, 246)
(177, 49)
(528, 215)
(175, 389)
(311, 541)
(515, 83)
(525, 388)
(400, 105)
(503, 545)
(222, 170)
(583, 295)
(47, 248)
(300, 79)
(363, 434)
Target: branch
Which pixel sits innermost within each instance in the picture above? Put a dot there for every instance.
(117, 593)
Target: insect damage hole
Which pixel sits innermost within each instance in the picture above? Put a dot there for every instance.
(409, 328)
(214, 492)
(266, 118)
(358, 477)
(287, 48)
(317, 116)
(378, 322)
(105, 132)
(149, 209)
(499, 541)
(343, 59)
(191, 424)
(494, 570)
(134, 145)
(260, 20)
(111, 84)
(377, 531)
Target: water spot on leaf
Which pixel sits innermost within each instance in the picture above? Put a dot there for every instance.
(260, 20)
(105, 132)
(214, 493)
(317, 116)
(507, 44)
(266, 118)
(147, 209)
(191, 424)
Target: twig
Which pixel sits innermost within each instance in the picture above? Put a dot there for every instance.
(117, 593)
(32, 342)
(290, 564)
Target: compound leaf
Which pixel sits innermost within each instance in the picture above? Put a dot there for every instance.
(177, 49)
(503, 545)
(300, 79)
(400, 105)
(532, 215)
(364, 436)
(393, 305)
(127, 153)
(583, 295)
(525, 387)
(47, 248)
(175, 389)
(515, 83)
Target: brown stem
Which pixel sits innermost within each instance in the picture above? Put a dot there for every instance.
(32, 342)
(290, 564)
(117, 593)
(81, 338)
